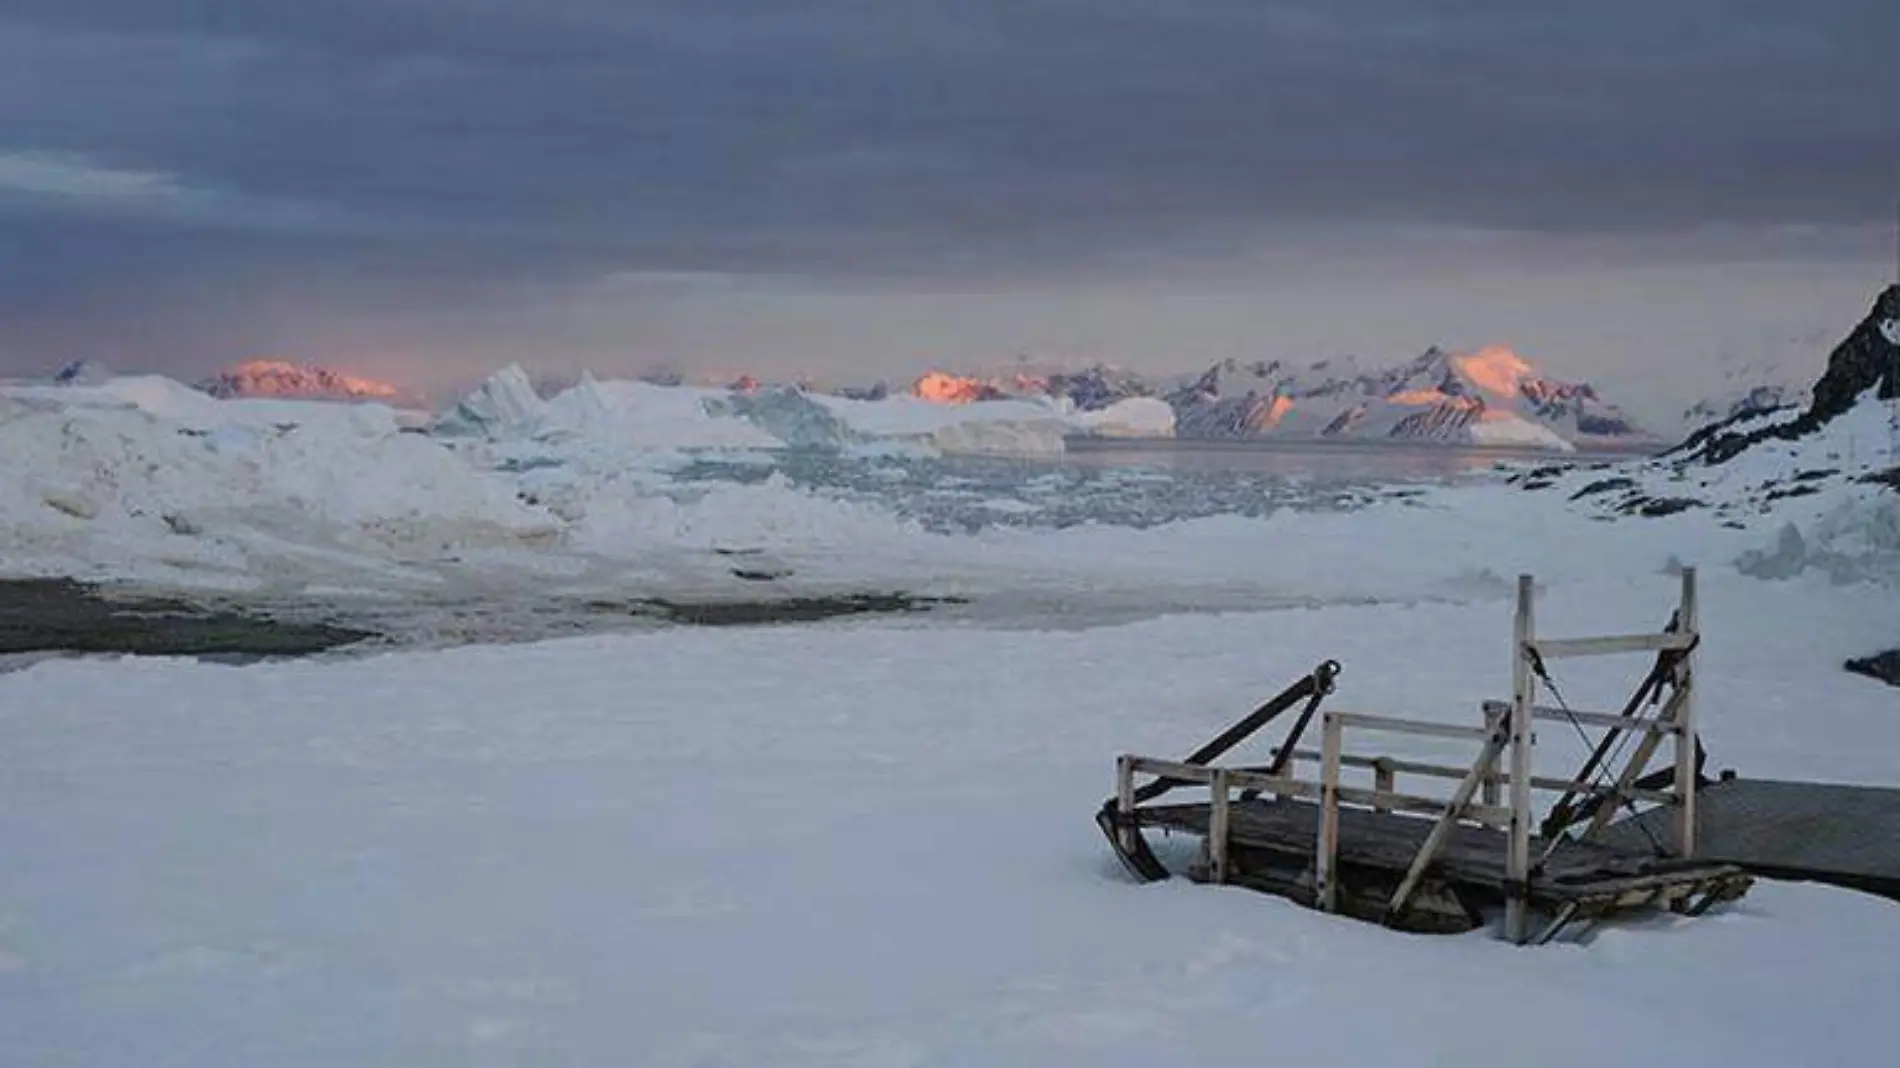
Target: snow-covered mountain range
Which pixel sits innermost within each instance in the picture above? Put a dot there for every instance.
(1489, 397)
(284, 379)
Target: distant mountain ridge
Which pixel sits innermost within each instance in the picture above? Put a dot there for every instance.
(284, 379)
(1489, 397)
(1865, 363)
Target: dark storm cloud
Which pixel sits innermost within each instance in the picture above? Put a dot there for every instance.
(512, 139)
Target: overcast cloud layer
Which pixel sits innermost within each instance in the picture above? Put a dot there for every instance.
(448, 183)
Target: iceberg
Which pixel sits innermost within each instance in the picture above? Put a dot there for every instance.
(989, 428)
(505, 402)
(792, 417)
(1132, 417)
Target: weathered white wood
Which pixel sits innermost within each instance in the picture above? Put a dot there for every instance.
(1384, 780)
(1460, 801)
(1219, 818)
(1423, 806)
(1397, 725)
(1557, 923)
(1603, 719)
(1172, 769)
(1518, 860)
(1273, 784)
(1326, 852)
(1685, 723)
(1558, 648)
(1494, 782)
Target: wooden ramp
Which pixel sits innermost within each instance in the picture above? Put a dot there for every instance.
(1843, 835)
(1425, 861)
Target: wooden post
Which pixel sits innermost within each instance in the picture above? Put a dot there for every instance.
(1518, 863)
(1325, 878)
(1488, 791)
(1125, 802)
(1218, 819)
(1384, 780)
(1685, 718)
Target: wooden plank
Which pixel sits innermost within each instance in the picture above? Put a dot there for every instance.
(1384, 780)
(1496, 779)
(1685, 720)
(1172, 769)
(1422, 806)
(1218, 821)
(1472, 858)
(1493, 715)
(1283, 785)
(1559, 648)
(1397, 725)
(1603, 719)
(1326, 850)
(1125, 802)
(1518, 854)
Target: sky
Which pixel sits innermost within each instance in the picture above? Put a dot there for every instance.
(853, 189)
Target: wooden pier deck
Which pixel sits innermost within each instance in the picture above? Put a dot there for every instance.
(1272, 842)
(1843, 835)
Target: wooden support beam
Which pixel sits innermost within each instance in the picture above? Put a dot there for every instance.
(1326, 852)
(1603, 719)
(1172, 769)
(1685, 724)
(1397, 725)
(1461, 799)
(1494, 782)
(1423, 806)
(1384, 780)
(1493, 716)
(1559, 648)
(1219, 819)
(1557, 923)
(1125, 803)
(1518, 858)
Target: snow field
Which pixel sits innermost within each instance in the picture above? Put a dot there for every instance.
(852, 845)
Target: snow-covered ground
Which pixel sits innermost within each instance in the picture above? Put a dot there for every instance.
(851, 845)
(855, 844)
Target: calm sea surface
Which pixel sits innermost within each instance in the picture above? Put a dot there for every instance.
(1127, 483)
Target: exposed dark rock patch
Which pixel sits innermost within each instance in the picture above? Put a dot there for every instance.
(1889, 478)
(776, 610)
(1786, 492)
(1883, 666)
(1657, 507)
(1867, 359)
(1604, 485)
(63, 616)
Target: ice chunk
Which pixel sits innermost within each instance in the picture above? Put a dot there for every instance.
(506, 401)
(1132, 417)
(791, 416)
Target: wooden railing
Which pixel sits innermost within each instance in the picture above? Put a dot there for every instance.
(1486, 793)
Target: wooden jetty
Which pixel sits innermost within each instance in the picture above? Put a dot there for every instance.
(1432, 863)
